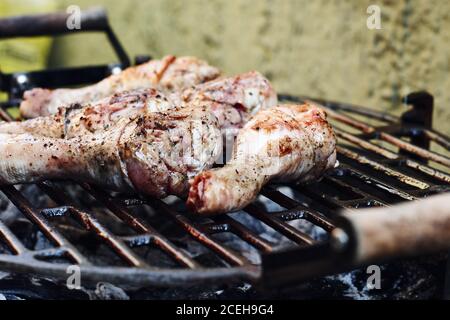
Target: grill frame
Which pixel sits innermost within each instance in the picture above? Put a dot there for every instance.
(53, 24)
(309, 259)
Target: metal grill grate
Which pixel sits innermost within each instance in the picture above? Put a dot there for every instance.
(370, 174)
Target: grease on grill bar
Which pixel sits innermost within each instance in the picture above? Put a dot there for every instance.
(369, 175)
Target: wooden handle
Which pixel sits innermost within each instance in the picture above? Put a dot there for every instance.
(94, 19)
(407, 229)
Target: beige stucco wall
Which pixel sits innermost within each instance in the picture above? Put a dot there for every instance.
(321, 48)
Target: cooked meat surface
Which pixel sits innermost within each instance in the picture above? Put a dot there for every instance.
(286, 143)
(168, 74)
(232, 100)
(77, 120)
(154, 154)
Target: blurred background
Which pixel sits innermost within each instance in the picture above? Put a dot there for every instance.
(320, 48)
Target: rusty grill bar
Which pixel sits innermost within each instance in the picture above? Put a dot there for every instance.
(369, 175)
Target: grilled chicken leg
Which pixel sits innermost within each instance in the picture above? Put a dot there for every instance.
(288, 143)
(154, 154)
(232, 100)
(78, 120)
(168, 74)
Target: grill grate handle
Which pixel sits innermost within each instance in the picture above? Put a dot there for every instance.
(408, 229)
(94, 19)
(51, 24)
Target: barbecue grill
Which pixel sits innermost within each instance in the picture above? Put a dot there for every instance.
(384, 160)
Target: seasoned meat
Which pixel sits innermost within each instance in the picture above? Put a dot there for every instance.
(232, 100)
(286, 143)
(154, 154)
(78, 119)
(168, 74)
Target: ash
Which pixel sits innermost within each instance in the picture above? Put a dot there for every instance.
(406, 279)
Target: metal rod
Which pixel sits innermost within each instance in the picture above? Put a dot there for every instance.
(438, 138)
(92, 224)
(246, 234)
(11, 240)
(379, 167)
(227, 254)
(157, 239)
(365, 196)
(377, 183)
(426, 154)
(391, 155)
(308, 213)
(25, 207)
(287, 230)
(414, 149)
(5, 116)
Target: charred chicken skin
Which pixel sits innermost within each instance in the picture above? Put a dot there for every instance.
(153, 154)
(286, 143)
(168, 74)
(232, 100)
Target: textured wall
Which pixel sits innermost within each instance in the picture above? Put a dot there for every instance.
(321, 48)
